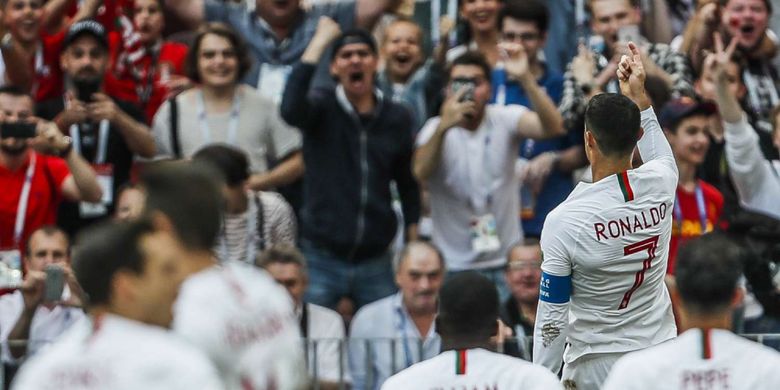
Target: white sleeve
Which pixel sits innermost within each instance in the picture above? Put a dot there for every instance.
(552, 314)
(653, 145)
(748, 167)
(427, 131)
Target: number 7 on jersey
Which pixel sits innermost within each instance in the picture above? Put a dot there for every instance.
(649, 245)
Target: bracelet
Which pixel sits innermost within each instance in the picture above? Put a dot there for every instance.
(64, 152)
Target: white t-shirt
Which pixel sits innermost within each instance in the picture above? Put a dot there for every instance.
(473, 369)
(475, 177)
(245, 323)
(605, 248)
(47, 324)
(326, 327)
(715, 359)
(116, 353)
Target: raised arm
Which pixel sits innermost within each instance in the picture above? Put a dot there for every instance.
(296, 108)
(428, 155)
(368, 12)
(631, 75)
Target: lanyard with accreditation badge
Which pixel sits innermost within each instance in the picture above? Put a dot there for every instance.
(103, 170)
(232, 124)
(700, 206)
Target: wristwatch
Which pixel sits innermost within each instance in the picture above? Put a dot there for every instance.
(63, 153)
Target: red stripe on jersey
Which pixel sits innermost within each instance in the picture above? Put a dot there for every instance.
(625, 186)
(706, 344)
(460, 362)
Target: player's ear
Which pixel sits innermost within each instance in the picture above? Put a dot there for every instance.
(738, 297)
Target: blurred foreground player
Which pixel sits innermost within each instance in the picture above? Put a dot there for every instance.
(234, 312)
(605, 248)
(707, 355)
(131, 274)
(468, 318)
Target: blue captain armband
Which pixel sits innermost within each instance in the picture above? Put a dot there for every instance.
(554, 289)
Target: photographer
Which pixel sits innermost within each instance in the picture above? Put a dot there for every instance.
(106, 131)
(467, 156)
(48, 302)
(33, 184)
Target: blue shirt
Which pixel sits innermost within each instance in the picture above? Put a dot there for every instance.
(375, 330)
(559, 184)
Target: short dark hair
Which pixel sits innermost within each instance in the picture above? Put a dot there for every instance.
(471, 58)
(224, 31)
(103, 250)
(707, 272)
(615, 122)
(189, 194)
(15, 91)
(281, 254)
(47, 230)
(526, 11)
(228, 160)
(468, 308)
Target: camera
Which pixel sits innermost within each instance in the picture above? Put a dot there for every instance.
(17, 130)
(469, 85)
(85, 89)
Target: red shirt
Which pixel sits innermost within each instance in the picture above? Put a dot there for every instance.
(45, 196)
(691, 220)
(171, 60)
(46, 62)
(107, 13)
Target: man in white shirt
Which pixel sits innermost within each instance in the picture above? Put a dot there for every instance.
(395, 332)
(234, 312)
(24, 315)
(606, 247)
(131, 274)
(467, 157)
(468, 319)
(321, 328)
(707, 355)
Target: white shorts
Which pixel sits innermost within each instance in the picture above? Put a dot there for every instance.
(588, 372)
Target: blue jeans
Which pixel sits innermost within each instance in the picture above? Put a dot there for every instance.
(332, 277)
(496, 275)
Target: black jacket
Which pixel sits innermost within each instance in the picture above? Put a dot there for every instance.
(350, 162)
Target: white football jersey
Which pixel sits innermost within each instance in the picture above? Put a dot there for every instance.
(245, 323)
(473, 369)
(605, 250)
(115, 353)
(713, 359)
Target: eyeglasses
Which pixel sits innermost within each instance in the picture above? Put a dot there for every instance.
(526, 36)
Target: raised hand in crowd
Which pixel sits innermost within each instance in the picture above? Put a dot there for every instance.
(327, 31)
(456, 109)
(515, 60)
(716, 63)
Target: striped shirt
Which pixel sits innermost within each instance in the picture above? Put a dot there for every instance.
(473, 369)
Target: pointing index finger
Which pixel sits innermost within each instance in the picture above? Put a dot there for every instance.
(636, 55)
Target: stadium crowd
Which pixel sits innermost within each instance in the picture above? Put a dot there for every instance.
(389, 194)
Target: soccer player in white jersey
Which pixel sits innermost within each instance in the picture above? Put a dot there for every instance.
(605, 248)
(233, 311)
(707, 355)
(131, 274)
(467, 320)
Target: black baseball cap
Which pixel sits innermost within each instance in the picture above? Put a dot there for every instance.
(678, 109)
(87, 26)
(354, 36)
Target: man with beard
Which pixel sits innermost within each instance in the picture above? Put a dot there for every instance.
(107, 132)
(33, 183)
(278, 31)
(402, 321)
